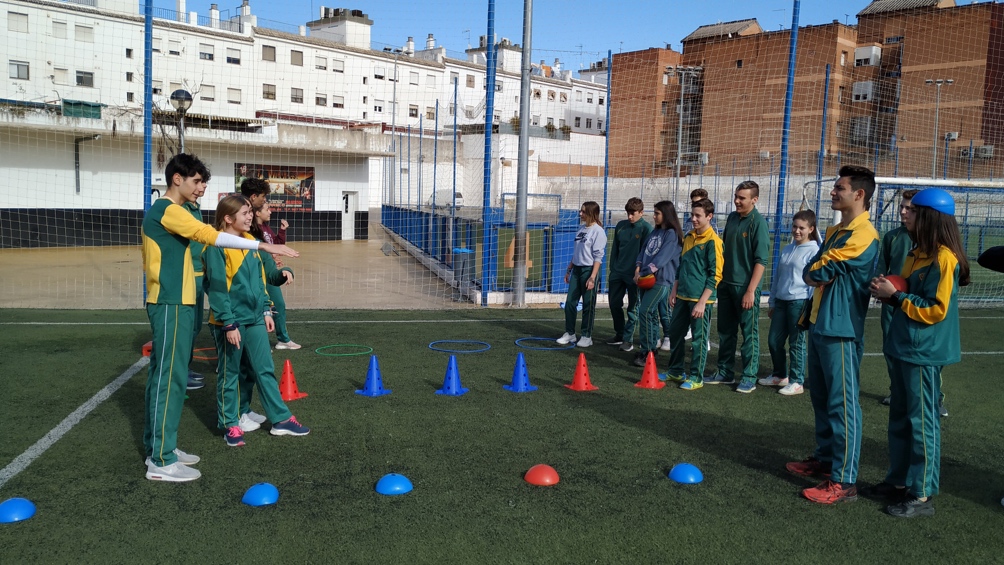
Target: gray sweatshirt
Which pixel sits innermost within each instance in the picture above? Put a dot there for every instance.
(590, 245)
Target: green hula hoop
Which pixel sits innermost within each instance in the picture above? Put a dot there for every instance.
(366, 347)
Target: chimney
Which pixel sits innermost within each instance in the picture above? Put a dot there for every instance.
(303, 30)
(557, 66)
(430, 42)
(214, 16)
(181, 11)
(246, 8)
(409, 46)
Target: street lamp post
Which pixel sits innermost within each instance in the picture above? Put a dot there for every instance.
(182, 101)
(937, 83)
(683, 72)
(393, 117)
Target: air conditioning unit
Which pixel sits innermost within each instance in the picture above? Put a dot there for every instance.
(702, 157)
(765, 154)
(951, 136)
(985, 151)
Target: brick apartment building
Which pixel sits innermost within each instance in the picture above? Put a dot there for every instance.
(879, 109)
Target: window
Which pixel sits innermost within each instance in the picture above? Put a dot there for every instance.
(599, 125)
(563, 97)
(83, 34)
(156, 44)
(452, 108)
(379, 73)
(862, 91)
(498, 86)
(860, 130)
(17, 22)
(61, 76)
(413, 78)
(412, 111)
(337, 101)
(158, 87)
(296, 95)
(128, 77)
(430, 113)
(535, 120)
(536, 94)
(578, 96)
(843, 58)
(551, 94)
(296, 58)
(364, 115)
(841, 95)
(59, 30)
(234, 95)
(589, 98)
(561, 123)
(171, 87)
(128, 53)
(320, 99)
(454, 78)
(739, 63)
(321, 63)
(599, 101)
(470, 81)
(268, 91)
(337, 65)
(430, 81)
(665, 79)
(578, 122)
(496, 117)
(206, 52)
(129, 97)
(19, 70)
(268, 53)
(867, 56)
(173, 47)
(85, 78)
(378, 106)
(589, 123)
(665, 108)
(207, 93)
(233, 56)
(550, 122)
(366, 80)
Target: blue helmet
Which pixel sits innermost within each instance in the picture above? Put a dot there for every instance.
(935, 198)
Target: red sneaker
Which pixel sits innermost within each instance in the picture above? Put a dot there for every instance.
(810, 467)
(829, 492)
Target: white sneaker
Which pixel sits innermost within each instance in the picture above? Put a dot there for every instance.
(256, 418)
(247, 424)
(584, 342)
(287, 345)
(773, 381)
(173, 473)
(666, 346)
(791, 390)
(566, 339)
(183, 458)
(690, 334)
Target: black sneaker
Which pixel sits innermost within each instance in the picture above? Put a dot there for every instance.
(885, 491)
(616, 341)
(639, 360)
(911, 508)
(626, 346)
(194, 384)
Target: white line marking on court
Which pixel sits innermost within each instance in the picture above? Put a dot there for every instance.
(21, 462)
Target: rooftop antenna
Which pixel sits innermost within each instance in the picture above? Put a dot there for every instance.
(622, 47)
(782, 10)
(845, 18)
(468, 33)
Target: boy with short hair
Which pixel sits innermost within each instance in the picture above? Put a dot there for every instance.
(628, 238)
(256, 190)
(167, 231)
(694, 294)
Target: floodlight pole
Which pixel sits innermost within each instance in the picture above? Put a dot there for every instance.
(522, 167)
(937, 83)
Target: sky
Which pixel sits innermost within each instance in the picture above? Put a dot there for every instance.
(576, 31)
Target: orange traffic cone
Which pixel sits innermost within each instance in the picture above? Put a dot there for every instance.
(581, 381)
(287, 386)
(147, 349)
(650, 376)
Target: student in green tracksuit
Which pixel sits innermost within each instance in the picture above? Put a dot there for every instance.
(628, 237)
(895, 246)
(583, 275)
(195, 380)
(747, 250)
(693, 296)
(923, 337)
(170, 305)
(240, 319)
(840, 273)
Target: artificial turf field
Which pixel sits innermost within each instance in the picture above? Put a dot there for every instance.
(466, 455)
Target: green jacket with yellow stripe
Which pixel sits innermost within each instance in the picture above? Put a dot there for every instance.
(844, 263)
(195, 248)
(168, 228)
(925, 325)
(895, 245)
(236, 280)
(700, 266)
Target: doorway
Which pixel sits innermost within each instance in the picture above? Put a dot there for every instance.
(350, 205)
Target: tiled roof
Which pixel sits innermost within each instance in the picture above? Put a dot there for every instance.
(881, 6)
(722, 29)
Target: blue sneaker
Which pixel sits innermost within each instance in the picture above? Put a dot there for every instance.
(289, 428)
(719, 379)
(193, 376)
(674, 378)
(746, 385)
(234, 436)
(194, 384)
(691, 384)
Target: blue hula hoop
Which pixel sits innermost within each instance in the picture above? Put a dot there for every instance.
(519, 342)
(433, 345)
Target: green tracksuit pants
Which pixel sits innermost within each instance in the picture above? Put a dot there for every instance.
(167, 379)
(615, 295)
(200, 313)
(239, 369)
(700, 329)
(648, 312)
(279, 307)
(784, 328)
(915, 428)
(834, 379)
(576, 290)
(665, 317)
(731, 320)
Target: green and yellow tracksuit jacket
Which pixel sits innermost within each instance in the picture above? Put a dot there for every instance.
(237, 279)
(194, 247)
(168, 229)
(895, 246)
(700, 266)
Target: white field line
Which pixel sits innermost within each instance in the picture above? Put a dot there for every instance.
(21, 462)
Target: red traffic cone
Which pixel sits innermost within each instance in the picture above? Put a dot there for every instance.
(650, 376)
(287, 386)
(581, 381)
(147, 349)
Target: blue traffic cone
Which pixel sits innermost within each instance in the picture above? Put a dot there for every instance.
(374, 384)
(451, 384)
(520, 379)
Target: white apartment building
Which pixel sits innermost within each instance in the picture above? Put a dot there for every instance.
(324, 100)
